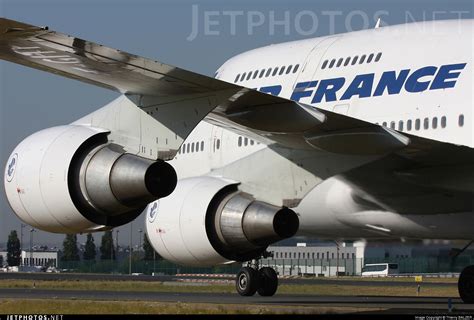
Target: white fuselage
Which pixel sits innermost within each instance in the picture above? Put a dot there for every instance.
(414, 78)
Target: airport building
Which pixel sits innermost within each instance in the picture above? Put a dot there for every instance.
(321, 259)
(348, 258)
(44, 258)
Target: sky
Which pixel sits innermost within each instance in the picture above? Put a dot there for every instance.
(194, 35)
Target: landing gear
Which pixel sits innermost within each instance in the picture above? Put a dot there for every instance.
(251, 279)
(466, 285)
(247, 282)
(466, 278)
(268, 282)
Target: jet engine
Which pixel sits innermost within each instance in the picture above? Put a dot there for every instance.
(208, 221)
(71, 179)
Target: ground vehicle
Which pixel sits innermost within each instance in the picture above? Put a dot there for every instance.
(379, 269)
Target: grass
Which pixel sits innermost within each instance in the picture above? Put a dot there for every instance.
(72, 306)
(13, 306)
(115, 286)
(406, 289)
(393, 290)
(389, 279)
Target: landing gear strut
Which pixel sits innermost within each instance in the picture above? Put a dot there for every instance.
(252, 279)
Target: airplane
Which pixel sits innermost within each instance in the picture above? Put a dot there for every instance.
(362, 135)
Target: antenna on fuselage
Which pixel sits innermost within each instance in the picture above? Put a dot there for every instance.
(377, 25)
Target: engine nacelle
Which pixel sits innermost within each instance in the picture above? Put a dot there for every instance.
(207, 221)
(70, 179)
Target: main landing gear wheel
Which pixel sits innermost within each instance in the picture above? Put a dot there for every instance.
(466, 285)
(249, 281)
(268, 282)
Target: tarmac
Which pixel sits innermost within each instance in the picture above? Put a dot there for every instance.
(385, 304)
(416, 305)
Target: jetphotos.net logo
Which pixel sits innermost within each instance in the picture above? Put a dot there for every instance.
(34, 317)
(304, 23)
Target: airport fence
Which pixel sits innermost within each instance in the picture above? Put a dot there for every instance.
(284, 267)
(158, 267)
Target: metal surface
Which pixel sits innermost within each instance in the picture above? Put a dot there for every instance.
(264, 223)
(95, 176)
(230, 222)
(246, 225)
(128, 180)
(114, 182)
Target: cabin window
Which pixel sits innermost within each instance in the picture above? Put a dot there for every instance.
(249, 75)
(282, 70)
(288, 70)
(325, 64)
(296, 68)
(409, 125)
(348, 60)
(240, 142)
(417, 124)
(434, 123)
(377, 58)
(371, 57)
(246, 141)
(354, 61)
(333, 61)
(384, 124)
(268, 72)
(392, 125)
(400, 125)
(426, 124)
(275, 71)
(362, 59)
(243, 76)
(339, 63)
(461, 120)
(255, 74)
(192, 147)
(202, 145)
(443, 122)
(237, 78)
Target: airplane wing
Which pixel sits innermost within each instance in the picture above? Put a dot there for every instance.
(159, 86)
